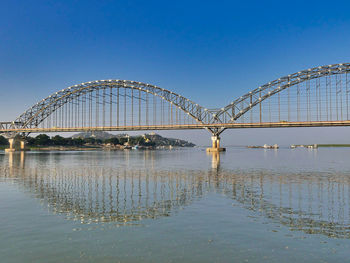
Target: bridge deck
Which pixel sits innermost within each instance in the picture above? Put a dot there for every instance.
(283, 124)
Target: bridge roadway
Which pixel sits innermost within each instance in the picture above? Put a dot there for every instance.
(282, 124)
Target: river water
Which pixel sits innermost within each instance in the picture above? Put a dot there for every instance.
(245, 205)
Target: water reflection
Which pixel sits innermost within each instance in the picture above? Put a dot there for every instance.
(315, 203)
(19, 159)
(92, 194)
(215, 159)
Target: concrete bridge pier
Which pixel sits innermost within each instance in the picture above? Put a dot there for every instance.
(23, 145)
(216, 144)
(13, 143)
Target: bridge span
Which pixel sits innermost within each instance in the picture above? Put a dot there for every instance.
(221, 126)
(316, 97)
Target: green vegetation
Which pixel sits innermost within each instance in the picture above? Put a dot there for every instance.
(139, 140)
(3, 141)
(95, 141)
(45, 140)
(132, 141)
(114, 141)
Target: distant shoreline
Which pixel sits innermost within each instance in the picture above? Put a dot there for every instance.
(93, 148)
(333, 145)
(293, 146)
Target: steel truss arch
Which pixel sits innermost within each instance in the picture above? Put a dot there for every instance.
(245, 103)
(41, 110)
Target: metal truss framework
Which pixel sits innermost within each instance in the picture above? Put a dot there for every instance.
(40, 111)
(245, 103)
(316, 103)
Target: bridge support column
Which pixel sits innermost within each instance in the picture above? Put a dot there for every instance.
(215, 144)
(23, 145)
(12, 145)
(15, 146)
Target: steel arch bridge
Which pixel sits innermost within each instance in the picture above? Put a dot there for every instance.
(310, 98)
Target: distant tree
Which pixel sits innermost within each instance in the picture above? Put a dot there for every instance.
(132, 140)
(3, 140)
(139, 140)
(123, 140)
(77, 141)
(59, 140)
(42, 139)
(113, 140)
(30, 140)
(149, 143)
(90, 140)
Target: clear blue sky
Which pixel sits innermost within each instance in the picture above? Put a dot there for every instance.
(209, 51)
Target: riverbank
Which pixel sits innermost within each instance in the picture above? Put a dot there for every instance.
(333, 145)
(95, 148)
(64, 148)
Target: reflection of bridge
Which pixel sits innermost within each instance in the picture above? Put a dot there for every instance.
(314, 203)
(315, 97)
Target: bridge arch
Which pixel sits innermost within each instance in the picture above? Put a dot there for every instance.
(111, 97)
(319, 93)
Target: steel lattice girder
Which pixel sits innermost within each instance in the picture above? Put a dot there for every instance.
(242, 105)
(40, 111)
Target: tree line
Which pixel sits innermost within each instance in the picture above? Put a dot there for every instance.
(3, 140)
(45, 140)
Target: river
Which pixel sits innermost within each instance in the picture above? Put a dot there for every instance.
(182, 205)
